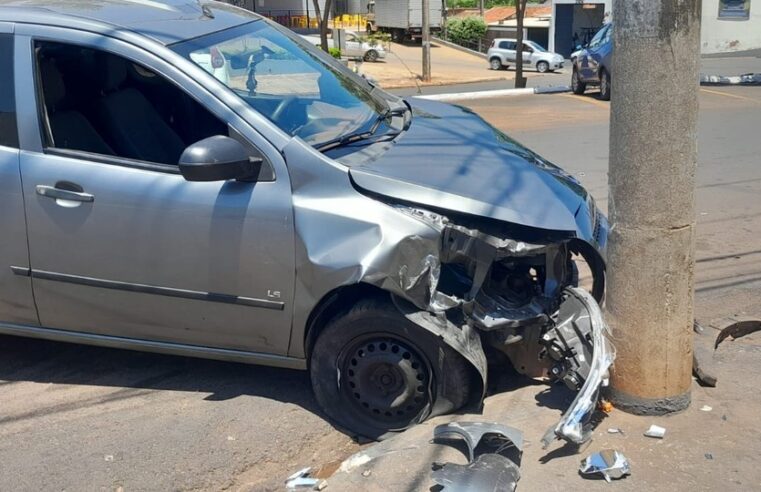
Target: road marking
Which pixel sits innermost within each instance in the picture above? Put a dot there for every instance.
(590, 100)
(734, 96)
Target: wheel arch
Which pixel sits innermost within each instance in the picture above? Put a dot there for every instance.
(465, 340)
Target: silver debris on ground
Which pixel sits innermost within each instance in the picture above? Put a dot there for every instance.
(609, 463)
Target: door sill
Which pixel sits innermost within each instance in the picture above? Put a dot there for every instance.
(153, 346)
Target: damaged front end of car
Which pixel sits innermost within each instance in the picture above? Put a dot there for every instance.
(520, 298)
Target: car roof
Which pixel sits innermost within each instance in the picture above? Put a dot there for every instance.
(166, 21)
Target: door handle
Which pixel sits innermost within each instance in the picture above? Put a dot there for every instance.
(62, 194)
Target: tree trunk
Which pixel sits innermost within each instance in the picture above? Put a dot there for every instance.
(322, 19)
(520, 11)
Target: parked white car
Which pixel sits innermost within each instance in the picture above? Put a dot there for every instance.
(356, 47)
(502, 53)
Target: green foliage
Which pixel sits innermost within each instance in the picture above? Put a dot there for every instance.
(466, 30)
(335, 53)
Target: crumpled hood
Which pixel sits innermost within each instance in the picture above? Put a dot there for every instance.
(450, 158)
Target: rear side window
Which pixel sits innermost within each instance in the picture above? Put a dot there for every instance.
(8, 132)
(507, 45)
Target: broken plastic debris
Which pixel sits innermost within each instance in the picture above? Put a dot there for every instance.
(474, 432)
(109, 457)
(615, 430)
(709, 456)
(302, 481)
(611, 464)
(606, 406)
(489, 472)
(706, 408)
(655, 431)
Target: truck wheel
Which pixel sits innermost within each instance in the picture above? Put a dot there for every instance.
(495, 64)
(604, 85)
(375, 372)
(577, 86)
(369, 28)
(371, 56)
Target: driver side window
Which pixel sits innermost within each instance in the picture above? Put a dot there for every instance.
(101, 103)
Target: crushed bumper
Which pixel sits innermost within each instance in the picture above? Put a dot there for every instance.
(582, 317)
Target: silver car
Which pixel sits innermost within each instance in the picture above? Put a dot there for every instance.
(189, 178)
(503, 53)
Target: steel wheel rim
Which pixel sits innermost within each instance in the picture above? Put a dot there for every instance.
(386, 380)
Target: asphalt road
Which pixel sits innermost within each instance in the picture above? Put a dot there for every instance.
(79, 418)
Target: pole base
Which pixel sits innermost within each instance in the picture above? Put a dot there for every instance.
(648, 406)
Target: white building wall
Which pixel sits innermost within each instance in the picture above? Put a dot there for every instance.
(723, 35)
(608, 9)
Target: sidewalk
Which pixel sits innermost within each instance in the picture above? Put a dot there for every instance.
(403, 66)
(702, 450)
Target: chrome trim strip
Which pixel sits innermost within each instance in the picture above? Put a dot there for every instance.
(169, 348)
(149, 289)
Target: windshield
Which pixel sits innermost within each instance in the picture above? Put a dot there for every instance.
(289, 83)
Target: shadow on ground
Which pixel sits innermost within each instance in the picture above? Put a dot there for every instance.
(44, 361)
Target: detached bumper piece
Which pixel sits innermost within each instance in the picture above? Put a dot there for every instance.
(583, 353)
(495, 470)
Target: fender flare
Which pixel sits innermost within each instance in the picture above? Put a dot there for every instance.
(464, 339)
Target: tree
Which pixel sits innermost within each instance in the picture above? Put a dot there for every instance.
(520, 13)
(322, 18)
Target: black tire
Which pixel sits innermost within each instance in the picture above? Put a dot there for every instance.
(577, 86)
(542, 67)
(495, 64)
(604, 85)
(374, 372)
(371, 56)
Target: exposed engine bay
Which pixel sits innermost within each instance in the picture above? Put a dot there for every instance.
(523, 300)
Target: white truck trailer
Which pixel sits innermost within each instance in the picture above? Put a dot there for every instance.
(403, 19)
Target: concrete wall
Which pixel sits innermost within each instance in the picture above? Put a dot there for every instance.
(720, 35)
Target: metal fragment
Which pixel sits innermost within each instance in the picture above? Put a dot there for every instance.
(738, 329)
(489, 472)
(609, 463)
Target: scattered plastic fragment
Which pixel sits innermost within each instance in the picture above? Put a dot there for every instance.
(706, 408)
(489, 472)
(615, 430)
(738, 329)
(655, 431)
(709, 456)
(611, 464)
(109, 457)
(302, 481)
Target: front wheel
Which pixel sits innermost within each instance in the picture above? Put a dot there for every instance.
(577, 86)
(375, 372)
(604, 85)
(542, 67)
(495, 64)
(371, 56)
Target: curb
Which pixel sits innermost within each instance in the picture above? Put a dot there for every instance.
(464, 96)
(744, 79)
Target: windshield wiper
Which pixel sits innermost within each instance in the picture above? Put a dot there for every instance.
(357, 136)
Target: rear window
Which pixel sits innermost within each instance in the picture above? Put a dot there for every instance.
(8, 132)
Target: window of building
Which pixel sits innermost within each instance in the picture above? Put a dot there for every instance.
(734, 9)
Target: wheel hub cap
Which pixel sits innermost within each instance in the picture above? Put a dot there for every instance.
(386, 379)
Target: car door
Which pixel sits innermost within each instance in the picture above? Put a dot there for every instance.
(353, 46)
(16, 301)
(127, 248)
(530, 56)
(507, 49)
(591, 55)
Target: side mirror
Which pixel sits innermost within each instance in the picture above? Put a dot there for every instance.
(217, 158)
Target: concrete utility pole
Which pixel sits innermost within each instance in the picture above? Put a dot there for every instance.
(653, 157)
(426, 40)
(481, 8)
